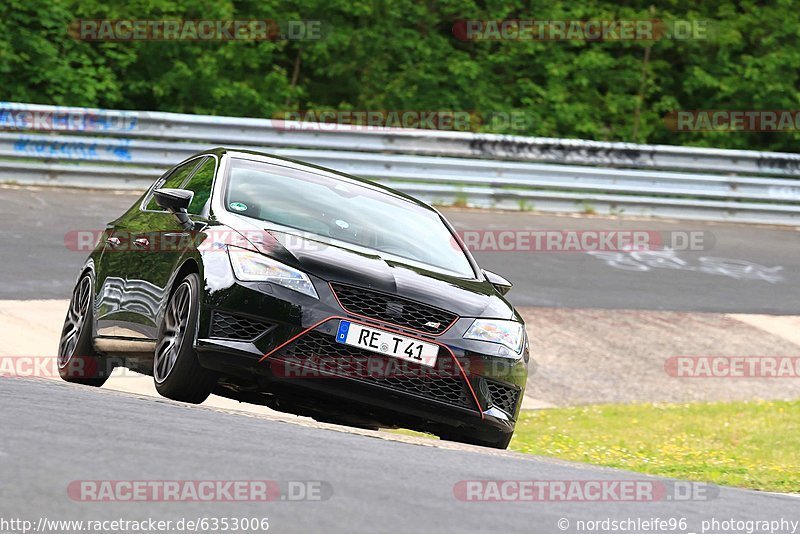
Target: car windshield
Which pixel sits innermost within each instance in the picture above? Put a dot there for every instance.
(346, 211)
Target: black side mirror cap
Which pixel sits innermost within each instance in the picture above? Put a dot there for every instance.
(173, 199)
(502, 285)
(176, 201)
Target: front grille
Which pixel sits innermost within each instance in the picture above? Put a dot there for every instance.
(237, 327)
(392, 309)
(322, 356)
(504, 396)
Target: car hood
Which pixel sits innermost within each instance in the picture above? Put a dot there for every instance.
(334, 261)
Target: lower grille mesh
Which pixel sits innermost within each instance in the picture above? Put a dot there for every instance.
(503, 396)
(236, 327)
(325, 357)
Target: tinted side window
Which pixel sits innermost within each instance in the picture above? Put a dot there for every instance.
(175, 179)
(200, 184)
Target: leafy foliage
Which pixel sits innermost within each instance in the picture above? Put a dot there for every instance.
(403, 55)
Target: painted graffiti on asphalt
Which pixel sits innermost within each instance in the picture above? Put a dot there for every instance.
(643, 261)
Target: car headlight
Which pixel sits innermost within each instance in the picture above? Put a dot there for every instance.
(251, 266)
(508, 333)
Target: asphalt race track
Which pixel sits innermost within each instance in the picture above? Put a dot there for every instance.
(63, 433)
(37, 264)
(746, 269)
(53, 434)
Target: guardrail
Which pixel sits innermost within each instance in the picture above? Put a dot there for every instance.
(128, 149)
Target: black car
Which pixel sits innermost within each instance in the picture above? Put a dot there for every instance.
(313, 292)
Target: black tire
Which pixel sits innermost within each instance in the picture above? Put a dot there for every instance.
(77, 360)
(177, 373)
(500, 442)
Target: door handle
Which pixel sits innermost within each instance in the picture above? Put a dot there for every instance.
(141, 242)
(113, 241)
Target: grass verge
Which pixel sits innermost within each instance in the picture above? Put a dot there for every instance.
(746, 444)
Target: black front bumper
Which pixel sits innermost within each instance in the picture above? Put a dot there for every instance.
(269, 342)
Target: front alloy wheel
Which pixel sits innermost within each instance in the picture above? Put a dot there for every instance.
(176, 370)
(77, 361)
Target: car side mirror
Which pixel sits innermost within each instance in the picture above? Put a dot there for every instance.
(502, 285)
(177, 202)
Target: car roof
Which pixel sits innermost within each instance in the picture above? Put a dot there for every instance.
(311, 168)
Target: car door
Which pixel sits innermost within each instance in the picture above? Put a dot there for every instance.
(136, 265)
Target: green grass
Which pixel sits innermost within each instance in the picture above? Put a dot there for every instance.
(746, 444)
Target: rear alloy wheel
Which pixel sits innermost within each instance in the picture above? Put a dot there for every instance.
(176, 370)
(77, 361)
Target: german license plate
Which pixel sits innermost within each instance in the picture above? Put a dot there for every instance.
(388, 343)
